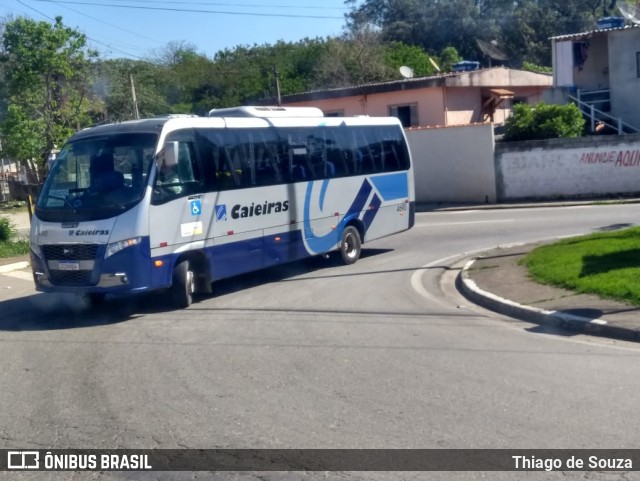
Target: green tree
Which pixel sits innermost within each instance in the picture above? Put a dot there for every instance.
(399, 54)
(432, 25)
(521, 28)
(448, 58)
(113, 86)
(47, 74)
(185, 78)
(356, 58)
(245, 74)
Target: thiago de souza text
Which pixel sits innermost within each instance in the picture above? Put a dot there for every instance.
(529, 463)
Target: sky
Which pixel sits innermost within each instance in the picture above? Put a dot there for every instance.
(141, 29)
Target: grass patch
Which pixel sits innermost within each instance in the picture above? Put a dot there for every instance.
(14, 248)
(9, 245)
(606, 264)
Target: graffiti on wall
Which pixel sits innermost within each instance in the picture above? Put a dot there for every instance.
(573, 171)
(620, 158)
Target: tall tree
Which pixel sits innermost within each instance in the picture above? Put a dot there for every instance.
(47, 75)
(114, 85)
(521, 29)
(185, 77)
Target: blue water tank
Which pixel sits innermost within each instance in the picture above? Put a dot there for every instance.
(610, 22)
(466, 65)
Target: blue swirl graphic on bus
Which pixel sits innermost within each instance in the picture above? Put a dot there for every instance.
(319, 244)
(390, 187)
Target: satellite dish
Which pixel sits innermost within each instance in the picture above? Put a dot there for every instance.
(629, 11)
(406, 72)
(435, 65)
(491, 50)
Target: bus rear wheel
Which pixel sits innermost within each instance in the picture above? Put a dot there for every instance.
(350, 245)
(183, 285)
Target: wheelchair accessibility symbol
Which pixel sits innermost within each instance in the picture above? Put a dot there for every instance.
(196, 207)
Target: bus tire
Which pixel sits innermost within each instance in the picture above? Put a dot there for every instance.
(183, 285)
(350, 245)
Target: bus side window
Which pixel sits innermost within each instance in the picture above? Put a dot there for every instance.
(298, 163)
(390, 156)
(337, 162)
(215, 165)
(365, 156)
(267, 163)
(208, 153)
(181, 179)
(267, 170)
(232, 175)
(188, 169)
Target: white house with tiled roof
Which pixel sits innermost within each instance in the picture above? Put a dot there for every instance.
(602, 68)
(460, 98)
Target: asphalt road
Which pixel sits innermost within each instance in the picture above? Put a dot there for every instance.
(380, 354)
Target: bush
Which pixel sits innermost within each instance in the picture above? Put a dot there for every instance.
(532, 67)
(6, 230)
(544, 121)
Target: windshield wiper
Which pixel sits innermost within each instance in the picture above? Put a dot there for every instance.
(64, 199)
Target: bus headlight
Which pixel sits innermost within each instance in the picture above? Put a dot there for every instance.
(118, 246)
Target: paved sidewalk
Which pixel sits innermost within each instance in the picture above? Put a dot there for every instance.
(16, 279)
(496, 281)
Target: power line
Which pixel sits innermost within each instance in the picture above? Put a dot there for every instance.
(37, 11)
(89, 38)
(251, 5)
(188, 10)
(106, 23)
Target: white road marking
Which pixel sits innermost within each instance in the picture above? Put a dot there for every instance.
(416, 277)
(497, 221)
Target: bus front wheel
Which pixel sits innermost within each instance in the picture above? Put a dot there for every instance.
(183, 285)
(350, 245)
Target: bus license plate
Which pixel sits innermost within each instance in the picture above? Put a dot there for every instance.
(69, 266)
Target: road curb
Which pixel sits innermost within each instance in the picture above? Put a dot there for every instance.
(13, 267)
(453, 207)
(585, 325)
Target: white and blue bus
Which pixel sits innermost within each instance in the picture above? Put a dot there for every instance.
(178, 202)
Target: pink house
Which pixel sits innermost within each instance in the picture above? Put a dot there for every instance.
(460, 98)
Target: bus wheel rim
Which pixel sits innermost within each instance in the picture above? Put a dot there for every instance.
(349, 246)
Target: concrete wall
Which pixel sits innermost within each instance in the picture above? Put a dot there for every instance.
(565, 168)
(464, 165)
(454, 164)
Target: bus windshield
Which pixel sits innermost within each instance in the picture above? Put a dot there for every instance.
(97, 178)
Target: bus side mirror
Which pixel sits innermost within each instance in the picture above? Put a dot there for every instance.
(168, 156)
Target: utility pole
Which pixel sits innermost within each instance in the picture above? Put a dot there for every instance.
(277, 77)
(136, 114)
